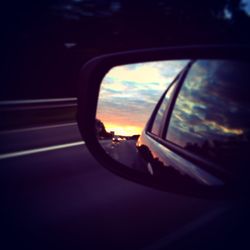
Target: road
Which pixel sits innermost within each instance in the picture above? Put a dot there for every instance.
(123, 151)
(38, 137)
(61, 198)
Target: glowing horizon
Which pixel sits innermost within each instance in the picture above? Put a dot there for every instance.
(123, 130)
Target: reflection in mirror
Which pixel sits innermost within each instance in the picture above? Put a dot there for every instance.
(212, 105)
(127, 97)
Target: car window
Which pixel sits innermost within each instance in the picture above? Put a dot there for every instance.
(162, 108)
(211, 114)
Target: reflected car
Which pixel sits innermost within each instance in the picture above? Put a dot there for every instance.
(200, 126)
(116, 140)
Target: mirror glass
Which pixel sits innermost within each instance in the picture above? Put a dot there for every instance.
(139, 112)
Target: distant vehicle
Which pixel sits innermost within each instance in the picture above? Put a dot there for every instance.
(116, 139)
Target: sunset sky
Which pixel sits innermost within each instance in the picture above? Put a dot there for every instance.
(129, 94)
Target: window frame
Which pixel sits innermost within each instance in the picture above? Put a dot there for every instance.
(151, 121)
(158, 107)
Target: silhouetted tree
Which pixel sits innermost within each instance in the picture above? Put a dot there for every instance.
(46, 43)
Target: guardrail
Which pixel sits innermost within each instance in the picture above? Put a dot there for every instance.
(17, 114)
(37, 104)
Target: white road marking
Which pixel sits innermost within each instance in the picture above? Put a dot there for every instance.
(39, 150)
(37, 128)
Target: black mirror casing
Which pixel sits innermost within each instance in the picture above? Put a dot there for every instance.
(91, 76)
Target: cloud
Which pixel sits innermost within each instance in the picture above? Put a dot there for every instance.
(129, 93)
(209, 106)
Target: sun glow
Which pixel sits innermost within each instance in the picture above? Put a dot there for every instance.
(121, 129)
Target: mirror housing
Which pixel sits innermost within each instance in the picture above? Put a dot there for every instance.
(89, 85)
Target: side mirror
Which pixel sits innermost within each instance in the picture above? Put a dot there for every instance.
(165, 117)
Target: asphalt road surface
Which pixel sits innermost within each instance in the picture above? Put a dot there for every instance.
(56, 196)
(38, 137)
(123, 151)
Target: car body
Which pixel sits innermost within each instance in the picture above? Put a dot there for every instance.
(200, 126)
(217, 100)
